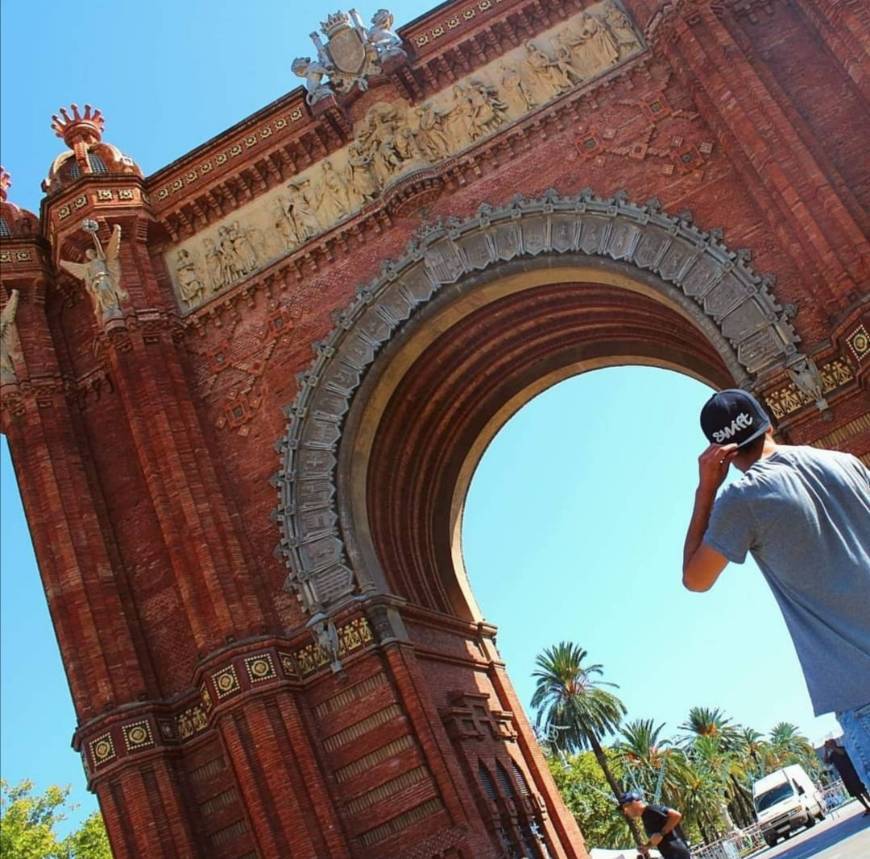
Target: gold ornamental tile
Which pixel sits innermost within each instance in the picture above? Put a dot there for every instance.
(102, 749)
(137, 735)
(226, 681)
(260, 667)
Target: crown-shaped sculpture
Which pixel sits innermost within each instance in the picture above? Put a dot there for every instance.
(334, 22)
(5, 183)
(79, 128)
(82, 131)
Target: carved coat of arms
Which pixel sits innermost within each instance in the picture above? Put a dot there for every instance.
(351, 54)
(347, 48)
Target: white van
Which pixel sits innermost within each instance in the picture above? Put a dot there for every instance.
(784, 801)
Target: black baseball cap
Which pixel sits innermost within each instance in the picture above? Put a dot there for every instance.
(733, 416)
(628, 796)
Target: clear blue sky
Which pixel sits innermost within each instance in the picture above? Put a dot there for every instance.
(598, 517)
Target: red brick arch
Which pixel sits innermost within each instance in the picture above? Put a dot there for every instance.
(392, 417)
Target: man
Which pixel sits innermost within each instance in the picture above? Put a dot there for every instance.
(805, 516)
(839, 759)
(659, 823)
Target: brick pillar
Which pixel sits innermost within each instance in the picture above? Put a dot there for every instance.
(287, 800)
(86, 587)
(802, 208)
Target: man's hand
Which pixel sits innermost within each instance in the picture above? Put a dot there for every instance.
(701, 563)
(655, 839)
(713, 465)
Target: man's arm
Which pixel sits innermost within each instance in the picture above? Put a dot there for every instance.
(672, 822)
(701, 563)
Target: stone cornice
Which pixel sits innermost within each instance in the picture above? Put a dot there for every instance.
(278, 141)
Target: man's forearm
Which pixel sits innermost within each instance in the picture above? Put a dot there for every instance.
(704, 498)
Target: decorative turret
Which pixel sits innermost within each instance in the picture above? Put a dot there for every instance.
(82, 131)
(14, 221)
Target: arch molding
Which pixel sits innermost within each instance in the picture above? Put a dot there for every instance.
(717, 286)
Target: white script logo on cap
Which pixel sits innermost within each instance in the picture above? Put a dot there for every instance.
(742, 421)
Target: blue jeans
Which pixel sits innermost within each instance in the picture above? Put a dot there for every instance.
(856, 738)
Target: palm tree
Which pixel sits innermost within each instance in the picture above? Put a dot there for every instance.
(573, 707)
(700, 798)
(652, 760)
(711, 722)
(787, 738)
(753, 747)
(789, 746)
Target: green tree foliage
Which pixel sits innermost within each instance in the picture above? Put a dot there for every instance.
(28, 820)
(589, 798)
(706, 771)
(574, 709)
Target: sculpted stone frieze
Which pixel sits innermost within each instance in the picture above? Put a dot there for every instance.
(395, 139)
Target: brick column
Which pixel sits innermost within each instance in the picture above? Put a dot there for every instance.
(811, 222)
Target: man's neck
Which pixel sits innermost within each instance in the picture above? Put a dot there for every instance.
(768, 448)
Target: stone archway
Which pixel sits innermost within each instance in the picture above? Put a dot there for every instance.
(731, 327)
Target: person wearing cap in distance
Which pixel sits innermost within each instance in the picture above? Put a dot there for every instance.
(659, 823)
(804, 514)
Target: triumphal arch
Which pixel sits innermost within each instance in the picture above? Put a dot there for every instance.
(245, 395)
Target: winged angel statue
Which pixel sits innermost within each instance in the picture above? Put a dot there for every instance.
(101, 273)
(7, 331)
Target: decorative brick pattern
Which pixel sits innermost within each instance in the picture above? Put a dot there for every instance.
(360, 729)
(400, 822)
(788, 399)
(378, 756)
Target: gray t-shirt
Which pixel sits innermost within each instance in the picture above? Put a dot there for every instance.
(805, 516)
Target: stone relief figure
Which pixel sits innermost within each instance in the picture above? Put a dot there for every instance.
(232, 265)
(408, 144)
(302, 210)
(808, 380)
(431, 134)
(7, 338)
(564, 62)
(213, 264)
(517, 89)
(360, 172)
(191, 284)
(326, 636)
(334, 202)
(621, 28)
(460, 120)
(284, 225)
(548, 76)
(243, 245)
(101, 273)
(380, 140)
(392, 138)
(488, 111)
(591, 44)
(314, 72)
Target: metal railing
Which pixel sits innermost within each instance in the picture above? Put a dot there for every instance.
(745, 842)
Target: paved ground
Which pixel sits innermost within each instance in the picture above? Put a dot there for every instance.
(844, 835)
